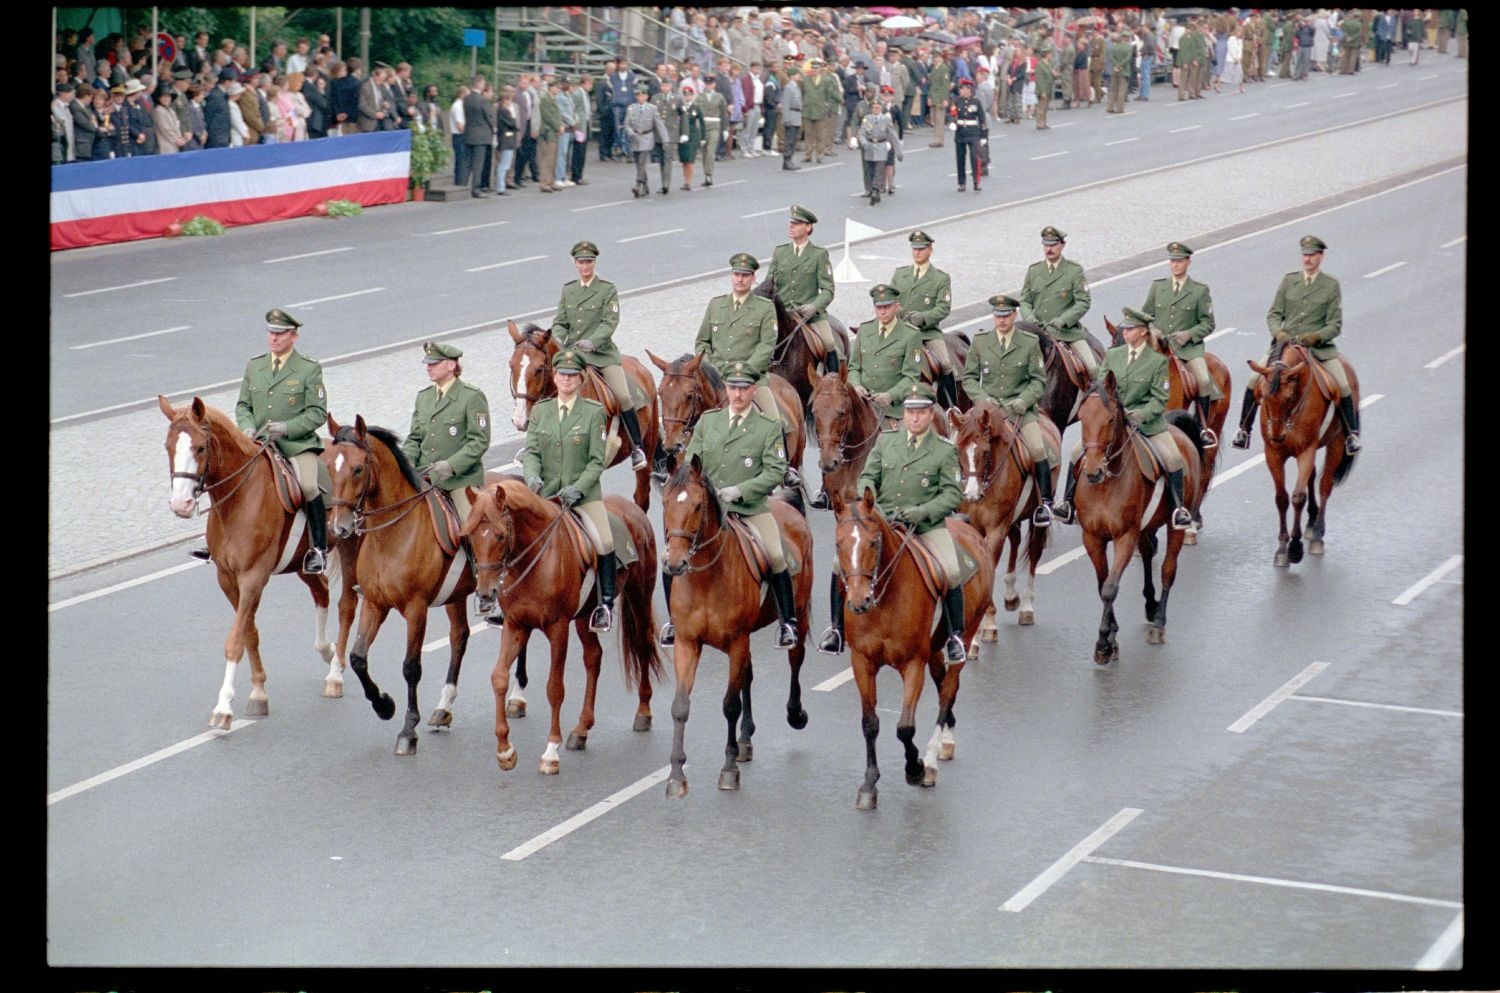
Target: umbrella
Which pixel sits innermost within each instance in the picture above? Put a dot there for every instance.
(1180, 13)
(1085, 21)
(885, 11)
(1030, 18)
(868, 19)
(904, 42)
(861, 60)
(941, 37)
(967, 40)
(900, 21)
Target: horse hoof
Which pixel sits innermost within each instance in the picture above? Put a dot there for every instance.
(385, 707)
(917, 776)
(1190, 537)
(945, 752)
(220, 722)
(577, 742)
(333, 690)
(548, 767)
(406, 746)
(1027, 618)
(1280, 559)
(929, 776)
(1315, 547)
(676, 789)
(1155, 636)
(440, 719)
(507, 759)
(642, 723)
(865, 800)
(1012, 602)
(744, 752)
(797, 720)
(1294, 553)
(729, 779)
(257, 708)
(1101, 656)
(989, 636)
(1114, 653)
(515, 708)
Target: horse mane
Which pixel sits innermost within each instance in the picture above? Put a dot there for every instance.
(519, 494)
(387, 437)
(714, 377)
(222, 426)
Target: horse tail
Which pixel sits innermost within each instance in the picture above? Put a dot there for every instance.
(1342, 470)
(638, 656)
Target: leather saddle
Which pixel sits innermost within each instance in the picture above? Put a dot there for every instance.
(934, 576)
(600, 391)
(754, 550)
(1072, 365)
(288, 490)
(1146, 457)
(445, 525)
(580, 537)
(1184, 376)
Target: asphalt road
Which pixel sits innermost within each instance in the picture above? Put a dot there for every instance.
(1279, 786)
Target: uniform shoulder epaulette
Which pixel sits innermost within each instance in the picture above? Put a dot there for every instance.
(770, 417)
(574, 282)
(260, 356)
(591, 400)
(946, 441)
(1024, 332)
(604, 282)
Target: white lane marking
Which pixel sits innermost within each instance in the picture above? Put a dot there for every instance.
(1122, 141)
(141, 763)
(1382, 272)
(1295, 884)
(914, 151)
(1079, 852)
(825, 165)
(654, 234)
(1269, 703)
(126, 286)
(1053, 564)
(579, 820)
(1054, 127)
(1219, 333)
(307, 255)
(1444, 947)
(1387, 86)
(596, 206)
(1378, 706)
(763, 213)
(442, 642)
(1190, 127)
(133, 337)
(1351, 93)
(1433, 76)
(341, 296)
(1246, 117)
(1049, 155)
(470, 227)
(834, 682)
(732, 182)
(501, 265)
(1450, 353)
(1421, 585)
(1294, 106)
(1455, 241)
(85, 597)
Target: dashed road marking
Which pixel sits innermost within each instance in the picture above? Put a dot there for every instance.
(1421, 585)
(141, 763)
(1381, 272)
(1271, 702)
(126, 286)
(341, 296)
(132, 337)
(501, 265)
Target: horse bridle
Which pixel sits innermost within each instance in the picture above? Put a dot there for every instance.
(695, 395)
(845, 448)
(1123, 437)
(506, 557)
(992, 463)
(542, 348)
(1274, 379)
(358, 505)
(200, 486)
(879, 578)
(695, 537)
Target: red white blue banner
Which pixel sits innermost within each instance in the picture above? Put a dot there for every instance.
(96, 203)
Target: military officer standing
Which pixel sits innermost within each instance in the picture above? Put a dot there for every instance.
(939, 89)
(1309, 307)
(804, 280)
(645, 131)
(1120, 54)
(1065, 60)
(1044, 79)
(668, 107)
(926, 301)
(1005, 366)
(564, 458)
(715, 119)
(450, 428)
(1056, 296)
(587, 316)
(971, 133)
(1141, 383)
(282, 400)
(1182, 310)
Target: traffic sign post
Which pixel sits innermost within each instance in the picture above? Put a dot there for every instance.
(474, 39)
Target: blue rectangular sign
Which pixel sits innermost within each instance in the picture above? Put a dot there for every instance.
(473, 37)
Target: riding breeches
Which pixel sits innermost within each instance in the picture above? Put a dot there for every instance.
(460, 500)
(596, 523)
(312, 475)
(1206, 386)
(1086, 355)
(940, 543)
(1334, 366)
(1035, 441)
(770, 536)
(939, 348)
(614, 376)
(825, 335)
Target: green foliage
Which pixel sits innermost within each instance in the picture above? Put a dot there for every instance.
(344, 208)
(429, 153)
(203, 224)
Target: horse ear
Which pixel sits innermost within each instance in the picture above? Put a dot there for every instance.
(200, 413)
(333, 426)
(697, 464)
(359, 426)
(844, 372)
(955, 419)
(547, 335)
(867, 501)
(1292, 370)
(515, 332)
(661, 364)
(836, 501)
(166, 408)
(1114, 332)
(692, 364)
(1257, 367)
(1110, 383)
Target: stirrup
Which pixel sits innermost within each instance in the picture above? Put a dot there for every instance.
(602, 619)
(956, 651)
(792, 478)
(494, 618)
(1351, 443)
(820, 499)
(637, 459)
(1042, 516)
(1182, 519)
(200, 551)
(786, 635)
(668, 636)
(833, 641)
(1062, 511)
(1211, 440)
(313, 562)
(1241, 439)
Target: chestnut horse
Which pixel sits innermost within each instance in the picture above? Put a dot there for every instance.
(717, 601)
(531, 382)
(527, 562)
(847, 427)
(1296, 420)
(794, 359)
(689, 387)
(1117, 504)
(401, 566)
(879, 571)
(249, 535)
(999, 497)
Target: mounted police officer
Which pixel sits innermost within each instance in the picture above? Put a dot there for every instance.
(971, 133)
(926, 300)
(282, 400)
(1182, 310)
(1005, 366)
(450, 428)
(1056, 296)
(587, 316)
(804, 280)
(1141, 383)
(1309, 307)
(564, 458)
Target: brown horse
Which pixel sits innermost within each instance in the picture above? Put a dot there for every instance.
(717, 601)
(1117, 504)
(1060, 400)
(1297, 419)
(689, 386)
(250, 539)
(794, 359)
(958, 351)
(528, 564)
(879, 570)
(401, 566)
(847, 427)
(531, 382)
(999, 497)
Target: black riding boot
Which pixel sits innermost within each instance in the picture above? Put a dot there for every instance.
(603, 618)
(1350, 416)
(947, 387)
(833, 637)
(781, 589)
(1043, 516)
(1182, 518)
(953, 616)
(1210, 440)
(792, 477)
(820, 500)
(317, 536)
(668, 636)
(1064, 511)
(633, 428)
(1247, 417)
(831, 362)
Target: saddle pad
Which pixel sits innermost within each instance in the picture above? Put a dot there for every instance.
(293, 538)
(288, 490)
(1071, 363)
(1327, 385)
(583, 543)
(930, 369)
(931, 570)
(755, 552)
(814, 343)
(625, 551)
(1145, 455)
(445, 526)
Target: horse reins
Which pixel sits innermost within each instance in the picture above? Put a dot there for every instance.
(695, 537)
(1124, 438)
(361, 514)
(200, 487)
(877, 577)
(506, 557)
(542, 363)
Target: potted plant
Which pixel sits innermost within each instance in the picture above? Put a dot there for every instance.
(428, 154)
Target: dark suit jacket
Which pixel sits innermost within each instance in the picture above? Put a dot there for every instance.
(216, 117)
(83, 131)
(507, 127)
(318, 120)
(343, 98)
(371, 101)
(479, 120)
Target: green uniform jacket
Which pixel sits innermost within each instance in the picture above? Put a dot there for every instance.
(752, 456)
(939, 88)
(815, 105)
(294, 396)
(746, 335)
(888, 366)
(1044, 76)
(566, 452)
(1058, 298)
(1301, 309)
(1191, 311)
(1096, 55)
(833, 91)
(805, 280)
(1013, 374)
(924, 484)
(667, 104)
(712, 102)
(453, 428)
(552, 122)
(1353, 27)
(925, 302)
(591, 313)
(1120, 56)
(582, 119)
(1142, 386)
